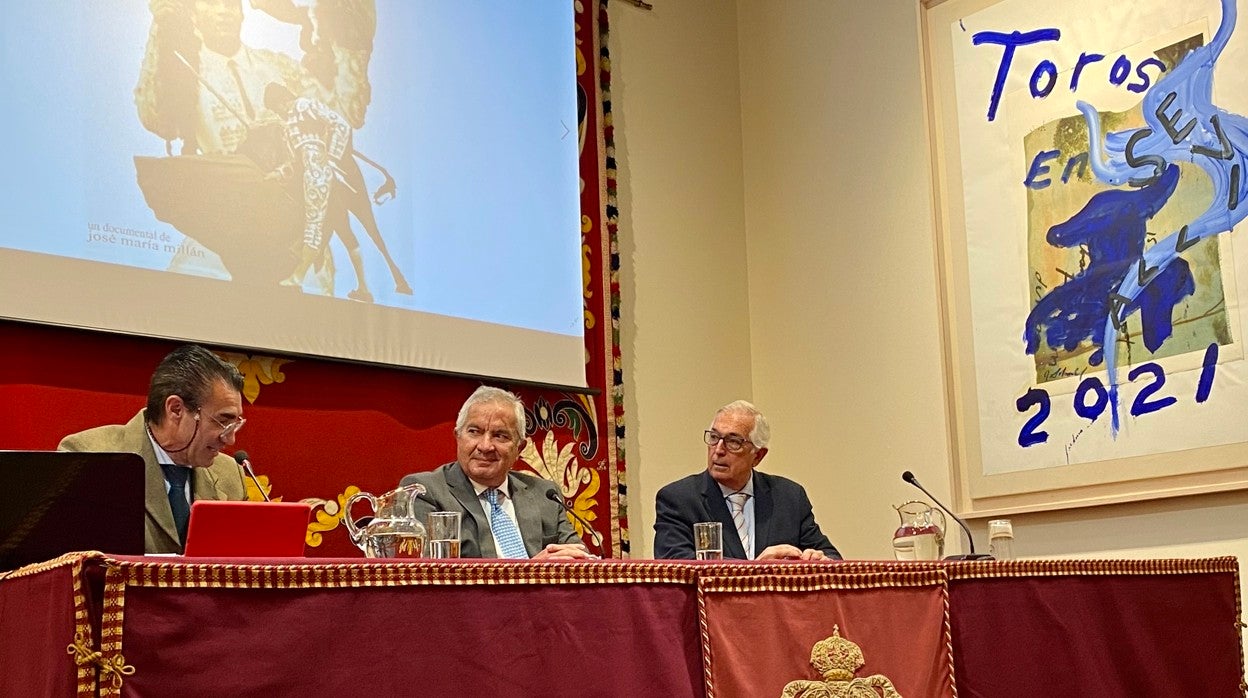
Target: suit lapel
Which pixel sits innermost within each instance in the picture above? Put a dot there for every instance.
(156, 498)
(203, 484)
(528, 513)
(461, 487)
(717, 509)
(764, 505)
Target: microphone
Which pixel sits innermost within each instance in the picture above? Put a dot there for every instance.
(241, 458)
(594, 536)
(910, 478)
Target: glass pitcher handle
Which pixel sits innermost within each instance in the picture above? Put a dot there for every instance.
(942, 524)
(348, 521)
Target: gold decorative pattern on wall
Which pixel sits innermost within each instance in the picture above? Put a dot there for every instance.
(327, 515)
(257, 371)
(578, 484)
(253, 491)
(586, 277)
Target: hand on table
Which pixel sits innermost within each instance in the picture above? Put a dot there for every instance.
(564, 551)
(789, 552)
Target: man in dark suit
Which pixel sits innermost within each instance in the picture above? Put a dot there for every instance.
(194, 409)
(765, 517)
(503, 513)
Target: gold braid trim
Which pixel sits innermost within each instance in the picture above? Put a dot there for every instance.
(1240, 626)
(111, 669)
(824, 580)
(397, 574)
(81, 651)
(705, 637)
(392, 573)
(113, 664)
(953, 683)
(66, 560)
(988, 569)
(85, 676)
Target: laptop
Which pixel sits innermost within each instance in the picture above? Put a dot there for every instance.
(54, 502)
(247, 529)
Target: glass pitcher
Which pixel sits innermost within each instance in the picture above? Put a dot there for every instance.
(921, 535)
(395, 530)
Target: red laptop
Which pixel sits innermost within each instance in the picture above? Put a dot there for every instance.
(247, 529)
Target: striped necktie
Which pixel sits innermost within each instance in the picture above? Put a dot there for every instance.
(504, 529)
(736, 503)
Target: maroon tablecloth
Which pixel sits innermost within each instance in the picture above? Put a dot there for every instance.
(135, 626)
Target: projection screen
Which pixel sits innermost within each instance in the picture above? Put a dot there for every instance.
(390, 181)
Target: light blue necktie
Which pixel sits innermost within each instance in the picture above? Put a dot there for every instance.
(505, 530)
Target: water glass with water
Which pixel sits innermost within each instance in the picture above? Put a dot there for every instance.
(708, 540)
(1001, 539)
(443, 533)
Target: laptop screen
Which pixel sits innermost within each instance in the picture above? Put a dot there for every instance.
(52, 503)
(247, 529)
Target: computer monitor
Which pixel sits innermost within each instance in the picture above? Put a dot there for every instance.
(52, 503)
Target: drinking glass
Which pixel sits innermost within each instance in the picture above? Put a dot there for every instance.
(443, 533)
(708, 540)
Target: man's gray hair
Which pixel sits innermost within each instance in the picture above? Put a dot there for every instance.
(760, 435)
(490, 394)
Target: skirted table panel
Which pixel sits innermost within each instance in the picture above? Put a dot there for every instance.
(90, 624)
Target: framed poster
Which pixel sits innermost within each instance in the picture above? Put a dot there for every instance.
(1091, 174)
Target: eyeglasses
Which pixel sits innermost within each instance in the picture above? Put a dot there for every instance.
(227, 430)
(733, 444)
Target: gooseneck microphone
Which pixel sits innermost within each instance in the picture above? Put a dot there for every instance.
(910, 478)
(241, 458)
(594, 536)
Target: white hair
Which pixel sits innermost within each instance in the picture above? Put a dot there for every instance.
(493, 395)
(760, 435)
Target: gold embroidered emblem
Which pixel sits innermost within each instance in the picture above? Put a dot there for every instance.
(837, 660)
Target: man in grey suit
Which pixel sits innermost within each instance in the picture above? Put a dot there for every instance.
(504, 513)
(194, 409)
(765, 517)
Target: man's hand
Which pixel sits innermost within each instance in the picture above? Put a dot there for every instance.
(564, 551)
(789, 552)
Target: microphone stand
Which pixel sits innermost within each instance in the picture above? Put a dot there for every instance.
(241, 458)
(910, 478)
(594, 536)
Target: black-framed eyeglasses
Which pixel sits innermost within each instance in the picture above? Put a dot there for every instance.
(227, 429)
(732, 444)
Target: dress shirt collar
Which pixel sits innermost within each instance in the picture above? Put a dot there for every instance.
(748, 489)
(161, 456)
(504, 488)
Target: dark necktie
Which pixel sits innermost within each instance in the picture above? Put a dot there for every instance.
(177, 475)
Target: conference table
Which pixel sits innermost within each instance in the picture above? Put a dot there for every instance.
(90, 624)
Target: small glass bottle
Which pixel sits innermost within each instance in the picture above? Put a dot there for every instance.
(1001, 539)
